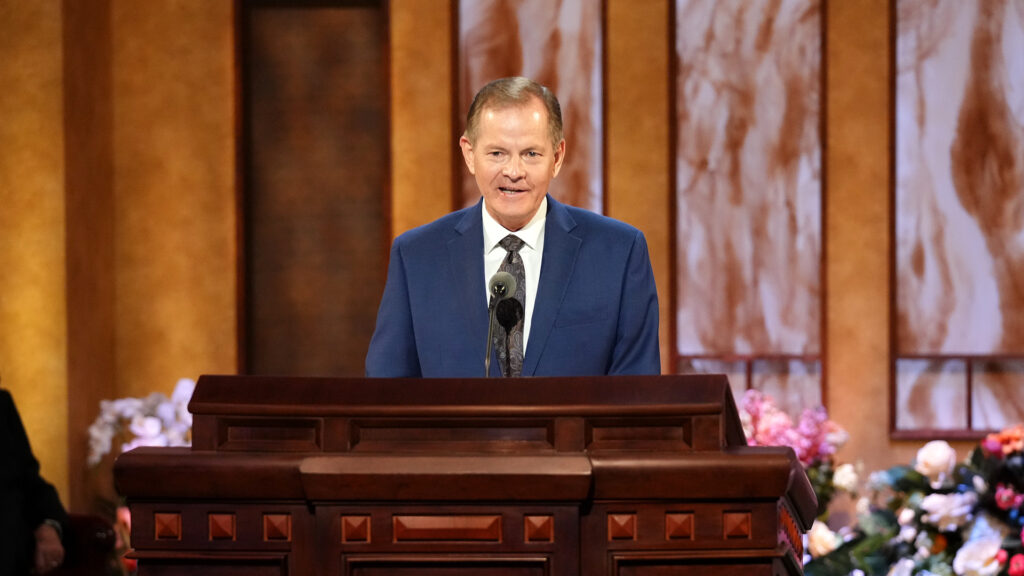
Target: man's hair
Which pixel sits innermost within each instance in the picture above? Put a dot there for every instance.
(514, 91)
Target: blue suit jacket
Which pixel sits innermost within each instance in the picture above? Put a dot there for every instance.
(596, 310)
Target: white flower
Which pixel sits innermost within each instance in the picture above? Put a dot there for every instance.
(183, 391)
(836, 436)
(845, 477)
(151, 421)
(821, 540)
(146, 427)
(980, 486)
(903, 567)
(906, 517)
(907, 533)
(987, 526)
(863, 506)
(879, 480)
(948, 512)
(101, 435)
(978, 557)
(936, 460)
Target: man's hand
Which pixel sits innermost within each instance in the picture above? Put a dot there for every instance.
(49, 550)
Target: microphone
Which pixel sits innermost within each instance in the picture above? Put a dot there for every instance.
(508, 312)
(501, 286)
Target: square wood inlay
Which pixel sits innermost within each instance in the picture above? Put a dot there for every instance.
(167, 525)
(679, 526)
(736, 525)
(622, 527)
(222, 526)
(355, 528)
(277, 527)
(539, 528)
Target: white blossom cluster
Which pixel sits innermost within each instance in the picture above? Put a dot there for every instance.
(155, 420)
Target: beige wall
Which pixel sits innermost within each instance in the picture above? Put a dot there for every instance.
(172, 214)
(174, 190)
(172, 108)
(33, 334)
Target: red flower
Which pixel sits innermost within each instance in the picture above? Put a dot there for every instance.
(1007, 498)
(1016, 565)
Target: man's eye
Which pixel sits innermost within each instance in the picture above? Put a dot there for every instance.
(533, 154)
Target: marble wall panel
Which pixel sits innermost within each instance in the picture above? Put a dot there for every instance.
(557, 43)
(748, 177)
(997, 394)
(793, 384)
(930, 395)
(959, 187)
(960, 177)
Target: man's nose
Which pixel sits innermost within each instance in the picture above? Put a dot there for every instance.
(512, 167)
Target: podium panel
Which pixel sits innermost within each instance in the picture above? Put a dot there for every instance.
(645, 475)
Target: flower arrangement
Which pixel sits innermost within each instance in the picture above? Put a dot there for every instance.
(813, 437)
(939, 516)
(155, 420)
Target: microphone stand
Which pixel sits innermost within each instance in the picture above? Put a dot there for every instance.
(490, 335)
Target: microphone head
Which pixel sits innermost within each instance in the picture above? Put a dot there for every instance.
(502, 285)
(508, 312)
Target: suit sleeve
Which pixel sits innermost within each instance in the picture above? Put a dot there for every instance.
(637, 350)
(41, 501)
(392, 352)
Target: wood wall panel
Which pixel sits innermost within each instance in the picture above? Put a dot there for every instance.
(316, 191)
(637, 160)
(426, 158)
(33, 334)
(174, 190)
(89, 191)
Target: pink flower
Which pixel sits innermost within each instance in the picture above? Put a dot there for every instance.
(1016, 565)
(992, 446)
(1007, 498)
(814, 438)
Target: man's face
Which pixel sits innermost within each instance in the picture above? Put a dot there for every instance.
(513, 161)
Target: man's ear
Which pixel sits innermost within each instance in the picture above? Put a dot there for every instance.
(467, 154)
(559, 157)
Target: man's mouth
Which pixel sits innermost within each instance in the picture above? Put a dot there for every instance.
(511, 191)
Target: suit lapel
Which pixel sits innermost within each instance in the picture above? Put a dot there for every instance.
(465, 256)
(560, 251)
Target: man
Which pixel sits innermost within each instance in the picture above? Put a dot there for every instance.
(32, 518)
(586, 289)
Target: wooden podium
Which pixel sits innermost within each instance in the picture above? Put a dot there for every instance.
(643, 476)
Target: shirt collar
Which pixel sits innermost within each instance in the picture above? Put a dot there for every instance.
(529, 234)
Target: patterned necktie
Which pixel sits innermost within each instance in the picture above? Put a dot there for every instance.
(511, 354)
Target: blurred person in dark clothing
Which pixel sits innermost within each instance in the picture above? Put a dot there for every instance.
(32, 518)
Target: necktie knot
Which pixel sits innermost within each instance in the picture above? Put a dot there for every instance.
(511, 243)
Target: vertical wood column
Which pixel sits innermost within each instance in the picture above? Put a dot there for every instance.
(89, 193)
(423, 148)
(638, 142)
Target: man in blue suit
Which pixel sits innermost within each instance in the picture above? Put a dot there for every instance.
(591, 306)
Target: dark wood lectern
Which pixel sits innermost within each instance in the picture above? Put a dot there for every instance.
(644, 476)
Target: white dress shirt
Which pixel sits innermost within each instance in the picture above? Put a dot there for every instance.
(532, 236)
